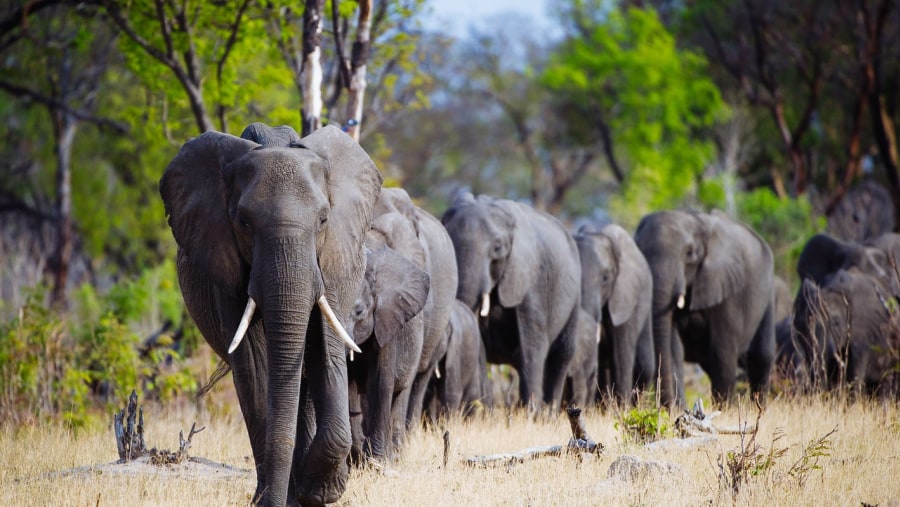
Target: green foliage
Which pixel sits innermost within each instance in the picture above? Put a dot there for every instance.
(786, 224)
(656, 98)
(644, 424)
(56, 365)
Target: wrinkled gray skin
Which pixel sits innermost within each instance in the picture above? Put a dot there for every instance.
(283, 225)
(617, 293)
(724, 272)
(844, 328)
(389, 326)
(527, 264)
(463, 381)
(440, 264)
(582, 383)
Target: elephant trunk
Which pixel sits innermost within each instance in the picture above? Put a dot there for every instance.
(291, 288)
(475, 285)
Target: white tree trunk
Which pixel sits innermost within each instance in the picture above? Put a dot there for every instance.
(311, 74)
(358, 69)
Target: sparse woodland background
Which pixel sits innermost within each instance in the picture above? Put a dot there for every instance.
(771, 111)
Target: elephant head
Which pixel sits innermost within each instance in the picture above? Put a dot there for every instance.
(694, 262)
(396, 287)
(280, 228)
(611, 267)
(824, 255)
(494, 249)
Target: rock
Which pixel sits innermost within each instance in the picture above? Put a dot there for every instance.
(631, 469)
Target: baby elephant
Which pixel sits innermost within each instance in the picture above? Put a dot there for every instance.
(461, 381)
(388, 325)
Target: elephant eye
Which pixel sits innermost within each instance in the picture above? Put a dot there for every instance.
(244, 221)
(323, 217)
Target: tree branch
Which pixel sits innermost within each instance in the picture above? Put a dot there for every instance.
(22, 92)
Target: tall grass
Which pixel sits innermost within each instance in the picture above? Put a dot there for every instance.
(860, 464)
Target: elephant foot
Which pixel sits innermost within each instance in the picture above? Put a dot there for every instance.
(316, 490)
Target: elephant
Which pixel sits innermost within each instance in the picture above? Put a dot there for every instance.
(388, 324)
(617, 293)
(461, 382)
(848, 332)
(712, 300)
(865, 212)
(277, 232)
(519, 269)
(582, 380)
(440, 264)
(825, 255)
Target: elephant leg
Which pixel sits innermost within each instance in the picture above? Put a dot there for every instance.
(721, 361)
(531, 374)
(677, 368)
(248, 371)
(356, 422)
(417, 399)
(452, 392)
(559, 360)
(761, 354)
(623, 347)
(323, 425)
(644, 362)
(399, 408)
(857, 368)
(379, 393)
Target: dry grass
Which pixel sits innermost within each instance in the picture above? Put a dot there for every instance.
(862, 465)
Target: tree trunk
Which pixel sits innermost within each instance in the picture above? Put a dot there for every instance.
(311, 74)
(358, 61)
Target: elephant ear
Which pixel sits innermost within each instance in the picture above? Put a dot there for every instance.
(723, 271)
(401, 289)
(522, 264)
(281, 136)
(193, 190)
(397, 200)
(353, 184)
(627, 290)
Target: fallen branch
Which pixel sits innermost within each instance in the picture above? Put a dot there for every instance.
(696, 422)
(580, 443)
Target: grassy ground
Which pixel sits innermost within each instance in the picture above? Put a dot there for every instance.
(859, 465)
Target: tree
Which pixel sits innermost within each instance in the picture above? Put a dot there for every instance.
(621, 78)
(70, 52)
(184, 38)
(818, 71)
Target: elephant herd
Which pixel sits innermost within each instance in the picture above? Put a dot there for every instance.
(345, 311)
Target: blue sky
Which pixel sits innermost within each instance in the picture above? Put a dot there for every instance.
(457, 15)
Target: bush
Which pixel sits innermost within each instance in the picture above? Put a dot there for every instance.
(644, 424)
(786, 224)
(63, 364)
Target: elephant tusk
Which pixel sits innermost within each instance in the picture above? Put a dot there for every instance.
(336, 324)
(598, 332)
(437, 372)
(680, 302)
(485, 304)
(351, 356)
(242, 327)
